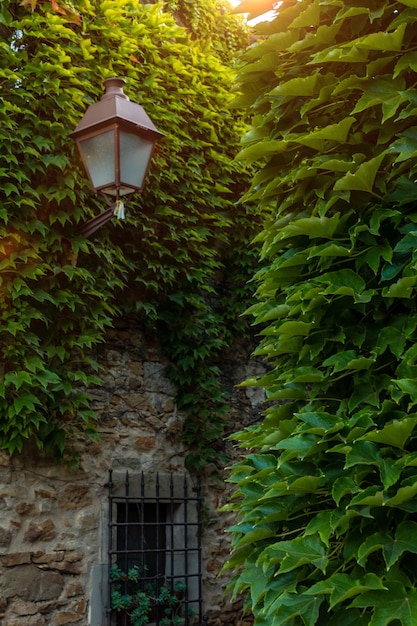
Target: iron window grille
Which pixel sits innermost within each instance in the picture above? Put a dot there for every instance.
(155, 527)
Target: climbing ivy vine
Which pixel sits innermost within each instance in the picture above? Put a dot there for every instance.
(58, 291)
(326, 494)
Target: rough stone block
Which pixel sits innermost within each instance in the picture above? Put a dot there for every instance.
(45, 608)
(156, 423)
(75, 589)
(27, 620)
(65, 568)
(66, 617)
(72, 557)
(136, 368)
(136, 400)
(4, 459)
(22, 607)
(5, 537)
(24, 507)
(134, 383)
(44, 531)
(42, 558)
(110, 437)
(74, 496)
(43, 493)
(89, 522)
(15, 558)
(31, 583)
(214, 566)
(80, 607)
(145, 442)
(16, 524)
(168, 405)
(155, 378)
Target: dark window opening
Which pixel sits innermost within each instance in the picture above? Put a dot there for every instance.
(141, 537)
(155, 546)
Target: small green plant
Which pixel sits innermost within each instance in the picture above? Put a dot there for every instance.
(144, 599)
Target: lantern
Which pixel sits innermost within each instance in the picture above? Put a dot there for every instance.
(116, 140)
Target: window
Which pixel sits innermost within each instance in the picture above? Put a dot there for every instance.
(154, 549)
(141, 536)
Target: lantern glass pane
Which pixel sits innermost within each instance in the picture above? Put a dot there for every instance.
(135, 154)
(98, 155)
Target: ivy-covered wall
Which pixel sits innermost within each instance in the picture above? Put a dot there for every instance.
(54, 521)
(173, 261)
(326, 494)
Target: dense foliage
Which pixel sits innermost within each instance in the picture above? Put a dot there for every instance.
(327, 533)
(59, 291)
(212, 23)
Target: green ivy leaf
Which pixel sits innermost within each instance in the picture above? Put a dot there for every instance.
(383, 40)
(290, 606)
(293, 554)
(395, 434)
(363, 178)
(405, 541)
(394, 603)
(348, 360)
(403, 495)
(25, 401)
(342, 587)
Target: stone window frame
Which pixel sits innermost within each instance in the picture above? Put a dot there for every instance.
(182, 496)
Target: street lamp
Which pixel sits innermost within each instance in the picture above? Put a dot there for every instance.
(116, 140)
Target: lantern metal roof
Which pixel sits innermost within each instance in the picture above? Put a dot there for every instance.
(115, 106)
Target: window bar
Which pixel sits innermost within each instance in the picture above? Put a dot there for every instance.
(142, 524)
(199, 550)
(126, 527)
(158, 548)
(125, 539)
(171, 529)
(185, 558)
(110, 544)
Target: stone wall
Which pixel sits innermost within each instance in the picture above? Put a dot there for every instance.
(53, 519)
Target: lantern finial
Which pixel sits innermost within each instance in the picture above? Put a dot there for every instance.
(114, 87)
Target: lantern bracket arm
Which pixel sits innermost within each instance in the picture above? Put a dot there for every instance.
(97, 222)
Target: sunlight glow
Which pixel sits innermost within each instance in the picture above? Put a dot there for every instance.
(265, 17)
